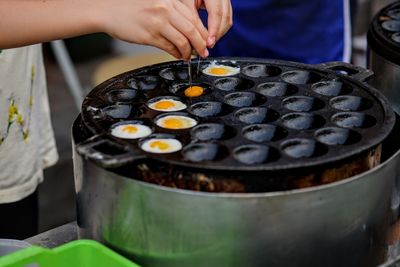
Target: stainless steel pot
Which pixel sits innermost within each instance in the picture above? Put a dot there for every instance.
(377, 5)
(387, 77)
(340, 224)
(384, 55)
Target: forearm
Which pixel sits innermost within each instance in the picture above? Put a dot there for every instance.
(25, 22)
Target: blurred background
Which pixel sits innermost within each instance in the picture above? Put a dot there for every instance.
(94, 58)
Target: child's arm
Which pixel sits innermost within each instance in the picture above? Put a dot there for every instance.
(166, 24)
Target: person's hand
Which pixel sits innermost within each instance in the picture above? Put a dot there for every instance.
(167, 24)
(220, 18)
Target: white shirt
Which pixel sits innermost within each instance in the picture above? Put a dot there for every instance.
(27, 144)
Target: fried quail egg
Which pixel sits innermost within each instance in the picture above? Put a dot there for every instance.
(167, 105)
(215, 69)
(176, 122)
(161, 145)
(131, 131)
(194, 91)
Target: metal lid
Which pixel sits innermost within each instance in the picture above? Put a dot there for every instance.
(270, 115)
(384, 33)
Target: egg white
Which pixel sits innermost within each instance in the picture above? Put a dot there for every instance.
(142, 131)
(187, 121)
(231, 70)
(178, 105)
(174, 145)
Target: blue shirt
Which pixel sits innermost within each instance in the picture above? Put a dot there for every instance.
(309, 31)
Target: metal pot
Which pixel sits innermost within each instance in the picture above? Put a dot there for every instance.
(384, 54)
(339, 224)
(377, 5)
(343, 223)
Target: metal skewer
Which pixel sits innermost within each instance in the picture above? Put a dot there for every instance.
(190, 71)
(198, 57)
(193, 53)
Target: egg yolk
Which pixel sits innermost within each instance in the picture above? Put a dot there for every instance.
(173, 123)
(219, 71)
(160, 145)
(129, 129)
(194, 91)
(164, 104)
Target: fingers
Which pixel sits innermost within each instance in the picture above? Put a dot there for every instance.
(227, 21)
(215, 11)
(190, 12)
(178, 40)
(219, 19)
(190, 32)
(193, 4)
(190, 4)
(168, 47)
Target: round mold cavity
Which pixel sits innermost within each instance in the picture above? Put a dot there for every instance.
(176, 102)
(233, 84)
(180, 88)
(200, 152)
(337, 136)
(302, 121)
(264, 133)
(122, 95)
(209, 109)
(121, 111)
(391, 25)
(276, 89)
(142, 130)
(212, 131)
(173, 74)
(331, 88)
(303, 148)
(300, 77)
(175, 121)
(350, 103)
(396, 37)
(259, 70)
(244, 99)
(255, 154)
(144, 83)
(302, 103)
(353, 120)
(256, 115)
(394, 13)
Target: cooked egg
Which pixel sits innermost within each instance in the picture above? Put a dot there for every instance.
(194, 91)
(161, 145)
(220, 70)
(167, 104)
(176, 122)
(131, 131)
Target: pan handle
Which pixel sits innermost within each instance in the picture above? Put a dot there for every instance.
(106, 153)
(343, 68)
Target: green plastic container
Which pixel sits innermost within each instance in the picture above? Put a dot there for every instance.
(81, 253)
